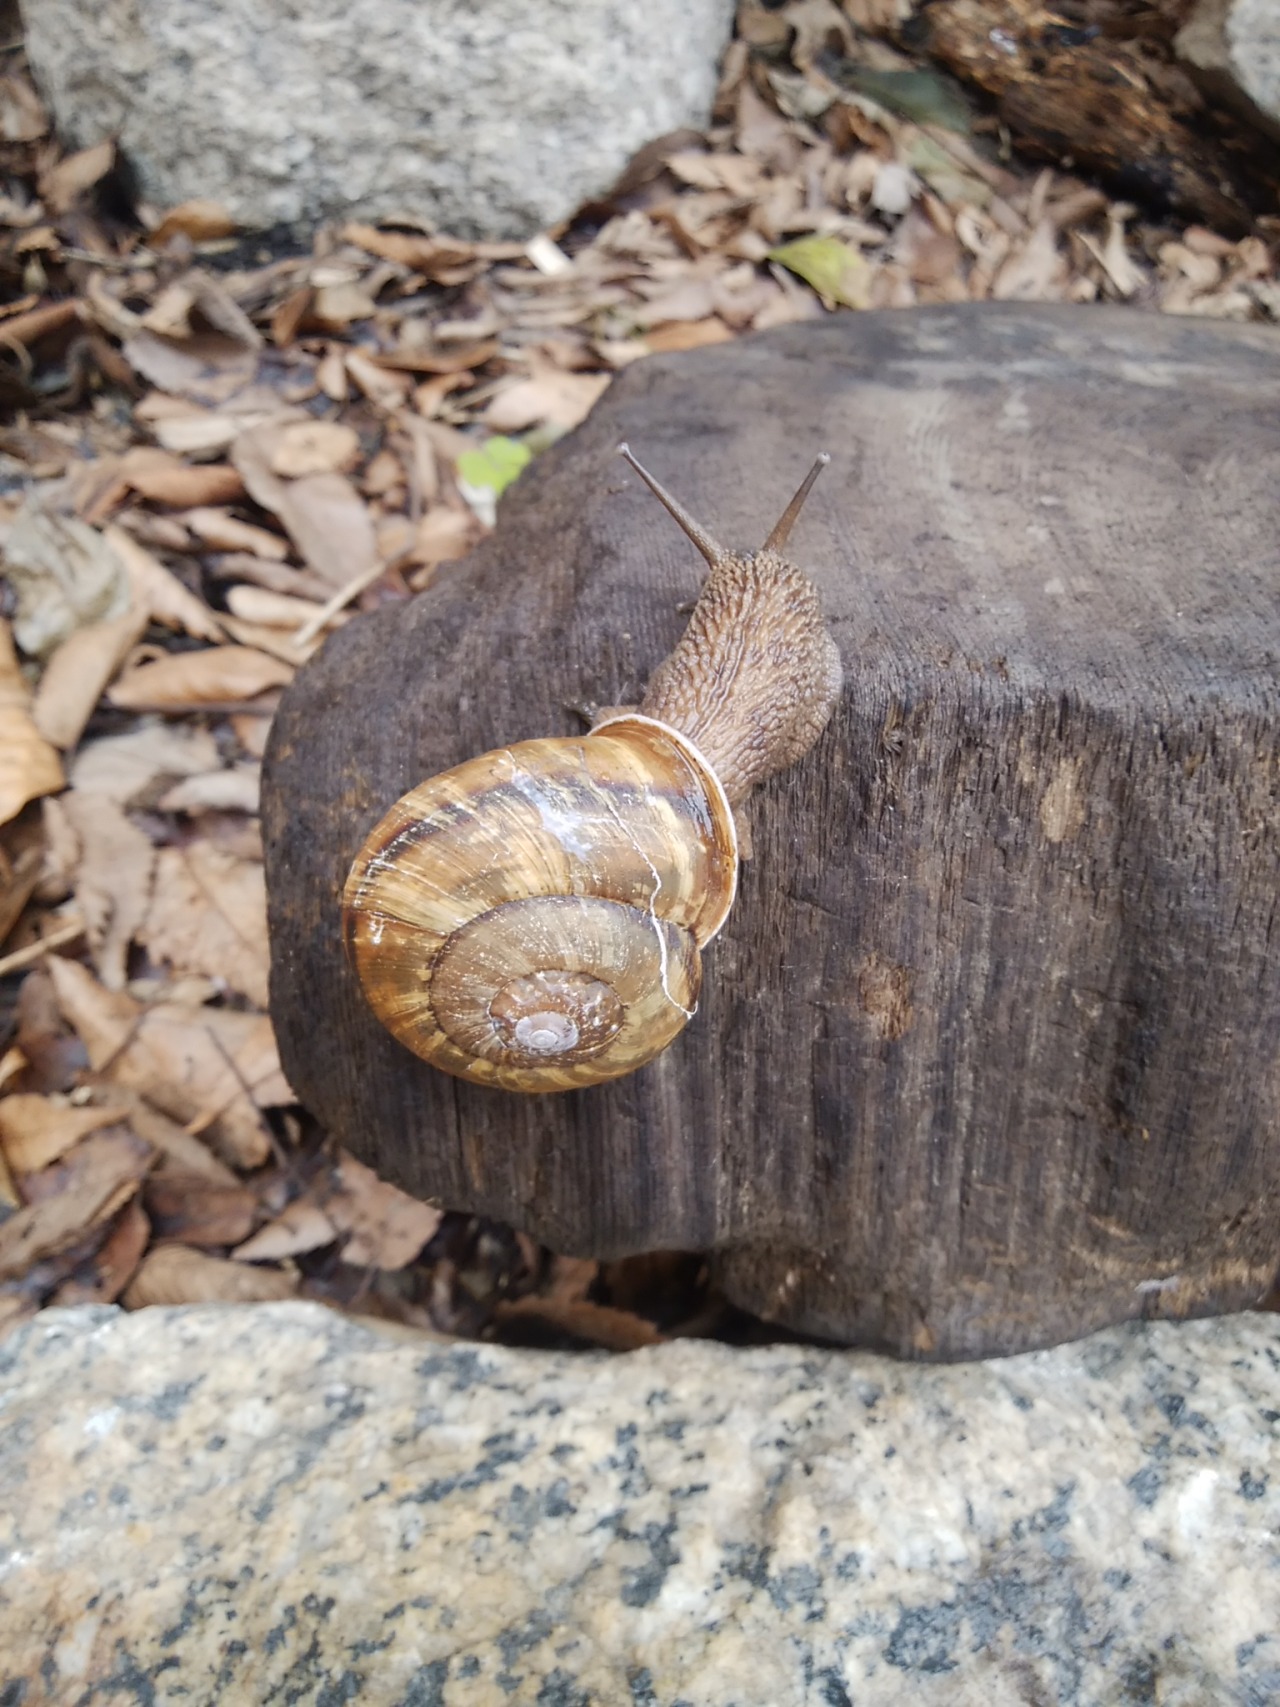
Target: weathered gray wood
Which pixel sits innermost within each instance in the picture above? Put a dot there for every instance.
(989, 1051)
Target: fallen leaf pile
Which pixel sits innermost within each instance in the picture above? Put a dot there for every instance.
(216, 454)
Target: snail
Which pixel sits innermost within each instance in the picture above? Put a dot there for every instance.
(534, 918)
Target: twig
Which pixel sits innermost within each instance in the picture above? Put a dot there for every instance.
(343, 597)
(37, 950)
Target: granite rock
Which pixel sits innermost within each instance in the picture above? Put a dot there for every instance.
(1233, 47)
(490, 121)
(274, 1504)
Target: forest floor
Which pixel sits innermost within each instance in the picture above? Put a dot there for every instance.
(217, 450)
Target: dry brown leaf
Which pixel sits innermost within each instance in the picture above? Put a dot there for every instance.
(386, 1227)
(315, 447)
(228, 533)
(188, 1207)
(381, 385)
(276, 610)
(77, 673)
(430, 256)
(302, 1227)
(37, 1130)
(209, 914)
(291, 647)
(104, 1276)
(37, 322)
(159, 592)
(165, 479)
(123, 767)
(1035, 271)
(29, 765)
(549, 394)
(383, 473)
(336, 306)
(210, 1068)
(685, 299)
(235, 790)
(221, 675)
(251, 731)
(688, 334)
(99, 1175)
(597, 1324)
(195, 432)
(202, 221)
(64, 183)
(20, 871)
(445, 534)
(177, 1149)
(22, 116)
(323, 514)
(175, 1274)
(208, 369)
(112, 879)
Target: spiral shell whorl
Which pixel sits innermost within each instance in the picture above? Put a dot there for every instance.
(532, 918)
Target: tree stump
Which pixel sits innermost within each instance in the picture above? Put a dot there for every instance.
(988, 1053)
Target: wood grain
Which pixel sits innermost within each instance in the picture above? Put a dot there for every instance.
(989, 1051)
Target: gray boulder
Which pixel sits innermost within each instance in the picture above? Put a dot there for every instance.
(1233, 48)
(490, 121)
(274, 1504)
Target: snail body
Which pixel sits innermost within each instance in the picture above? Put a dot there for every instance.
(533, 918)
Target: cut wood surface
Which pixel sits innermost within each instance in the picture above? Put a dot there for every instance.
(988, 1052)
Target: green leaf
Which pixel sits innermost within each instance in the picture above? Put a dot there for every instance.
(922, 96)
(494, 465)
(836, 270)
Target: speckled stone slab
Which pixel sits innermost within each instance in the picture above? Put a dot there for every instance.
(273, 1505)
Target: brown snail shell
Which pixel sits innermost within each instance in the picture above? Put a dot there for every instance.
(532, 919)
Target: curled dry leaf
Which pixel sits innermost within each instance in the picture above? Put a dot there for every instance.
(292, 648)
(159, 592)
(386, 1227)
(99, 1175)
(210, 1068)
(209, 914)
(175, 1274)
(29, 765)
(64, 574)
(37, 1130)
(1035, 271)
(221, 675)
(77, 673)
(275, 610)
(22, 116)
(228, 533)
